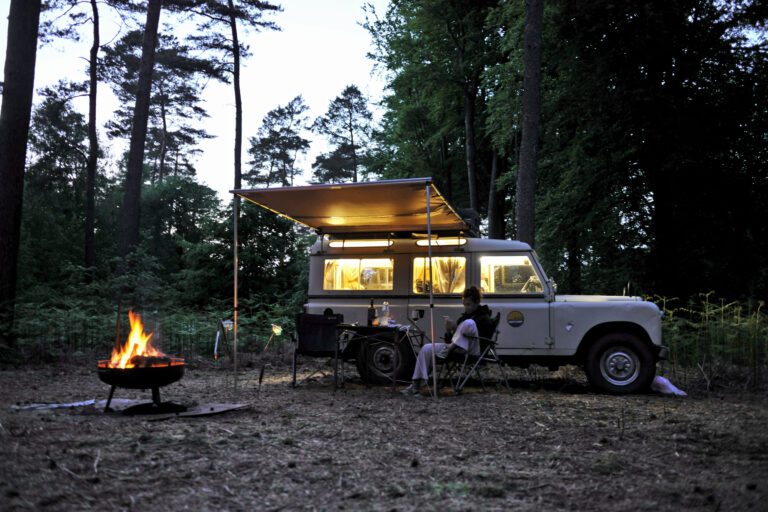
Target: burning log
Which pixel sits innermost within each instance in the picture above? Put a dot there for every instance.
(137, 364)
(140, 361)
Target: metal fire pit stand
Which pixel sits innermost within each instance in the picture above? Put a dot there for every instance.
(152, 377)
(156, 406)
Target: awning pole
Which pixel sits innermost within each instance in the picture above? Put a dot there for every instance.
(234, 337)
(431, 295)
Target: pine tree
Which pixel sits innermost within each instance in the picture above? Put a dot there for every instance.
(347, 126)
(277, 145)
(18, 84)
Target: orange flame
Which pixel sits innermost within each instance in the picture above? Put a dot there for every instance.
(138, 344)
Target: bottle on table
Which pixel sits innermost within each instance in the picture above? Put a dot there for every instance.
(384, 314)
(371, 314)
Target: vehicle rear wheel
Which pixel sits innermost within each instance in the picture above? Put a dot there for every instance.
(376, 361)
(620, 363)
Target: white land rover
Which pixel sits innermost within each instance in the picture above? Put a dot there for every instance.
(377, 241)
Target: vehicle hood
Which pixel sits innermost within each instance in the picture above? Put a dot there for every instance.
(596, 298)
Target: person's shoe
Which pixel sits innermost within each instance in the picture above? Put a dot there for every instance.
(411, 390)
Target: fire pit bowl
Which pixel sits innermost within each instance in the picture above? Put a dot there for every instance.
(142, 377)
(152, 373)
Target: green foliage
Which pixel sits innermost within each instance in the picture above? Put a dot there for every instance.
(716, 336)
(644, 101)
(434, 53)
(640, 102)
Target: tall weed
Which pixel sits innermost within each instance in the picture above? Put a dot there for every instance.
(724, 343)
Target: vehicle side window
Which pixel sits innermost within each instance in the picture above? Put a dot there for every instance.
(449, 274)
(358, 274)
(509, 274)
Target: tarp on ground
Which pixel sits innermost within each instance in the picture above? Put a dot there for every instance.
(388, 206)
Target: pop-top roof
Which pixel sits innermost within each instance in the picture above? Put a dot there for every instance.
(388, 206)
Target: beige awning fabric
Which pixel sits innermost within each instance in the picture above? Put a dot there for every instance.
(370, 207)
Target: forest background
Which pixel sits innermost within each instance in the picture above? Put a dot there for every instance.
(651, 171)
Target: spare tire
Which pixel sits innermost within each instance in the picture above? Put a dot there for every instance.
(376, 361)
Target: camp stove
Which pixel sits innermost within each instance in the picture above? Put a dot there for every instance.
(137, 364)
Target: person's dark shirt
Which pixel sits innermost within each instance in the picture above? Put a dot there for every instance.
(482, 318)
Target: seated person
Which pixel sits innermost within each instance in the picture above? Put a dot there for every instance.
(476, 321)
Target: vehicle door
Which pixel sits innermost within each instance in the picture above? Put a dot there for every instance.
(514, 286)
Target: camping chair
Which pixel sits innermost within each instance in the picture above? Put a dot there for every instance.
(316, 337)
(459, 368)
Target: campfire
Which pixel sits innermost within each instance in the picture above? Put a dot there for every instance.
(138, 364)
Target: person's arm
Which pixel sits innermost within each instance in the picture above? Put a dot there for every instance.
(465, 335)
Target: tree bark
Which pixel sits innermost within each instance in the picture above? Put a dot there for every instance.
(18, 88)
(573, 283)
(352, 145)
(446, 170)
(238, 97)
(93, 150)
(470, 93)
(529, 144)
(130, 212)
(163, 140)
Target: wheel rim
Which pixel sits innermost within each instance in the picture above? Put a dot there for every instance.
(381, 359)
(620, 366)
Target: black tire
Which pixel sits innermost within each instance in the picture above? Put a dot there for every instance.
(620, 363)
(376, 358)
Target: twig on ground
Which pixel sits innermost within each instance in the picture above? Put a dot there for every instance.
(535, 487)
(70, 472)
(96, 462)
(707, 378)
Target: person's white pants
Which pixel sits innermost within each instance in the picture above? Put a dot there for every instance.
(424, 360)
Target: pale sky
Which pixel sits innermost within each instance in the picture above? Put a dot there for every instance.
(320, 50)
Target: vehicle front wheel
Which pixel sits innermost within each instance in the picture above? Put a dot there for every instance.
(620, 363)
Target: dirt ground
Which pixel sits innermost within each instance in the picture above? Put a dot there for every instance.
(548, 444)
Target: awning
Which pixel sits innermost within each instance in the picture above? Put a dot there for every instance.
(388, 206)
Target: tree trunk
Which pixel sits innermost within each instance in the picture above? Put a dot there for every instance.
(238, 97)
(529, 144)
(130, 212)
(19, 81)
(93, 151)
(352, 145)
(573, 283)
(470, 92)
(495, 199)
(446, 171)
(163, 140)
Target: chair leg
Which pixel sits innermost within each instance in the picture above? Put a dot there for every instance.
(464, 376)
(336, 366)
(293, 368)
(503, 373)
(480, 378)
